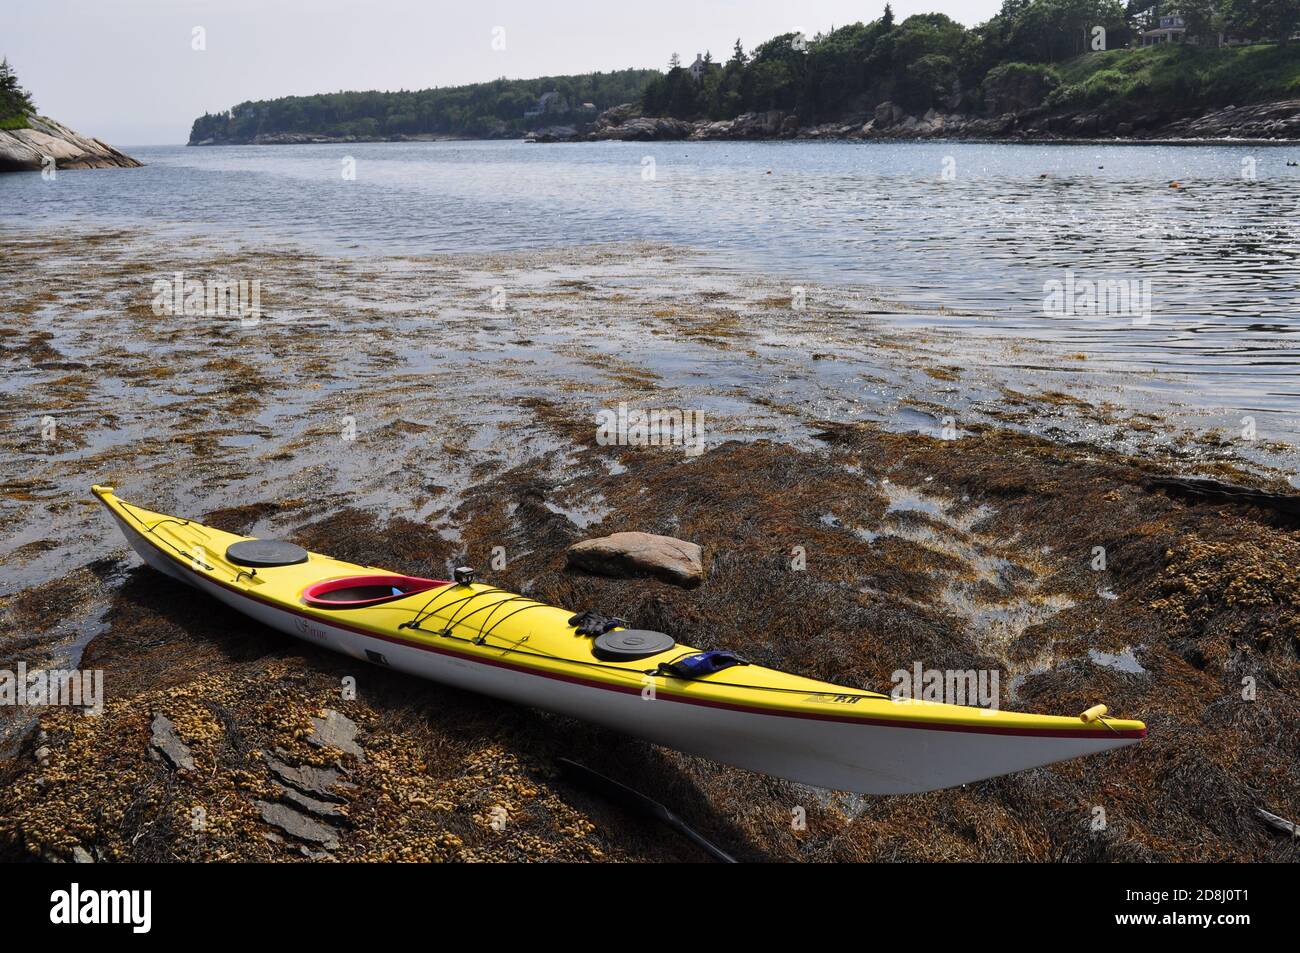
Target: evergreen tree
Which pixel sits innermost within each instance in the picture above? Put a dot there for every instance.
(15, 102)
(1201, 17)
(1264, 19)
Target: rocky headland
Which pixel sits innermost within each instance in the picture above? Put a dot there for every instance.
(27, 149)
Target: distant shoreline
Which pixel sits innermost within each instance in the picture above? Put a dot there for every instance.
(304, 139)
(1255, 124)
(989, 140)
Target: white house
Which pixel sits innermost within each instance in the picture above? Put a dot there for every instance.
(699, 68)
(1170, 29)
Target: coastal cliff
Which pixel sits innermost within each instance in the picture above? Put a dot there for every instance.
(26, 149)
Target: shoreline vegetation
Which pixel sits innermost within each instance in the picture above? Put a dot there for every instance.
(975, 553)
(1038, 70)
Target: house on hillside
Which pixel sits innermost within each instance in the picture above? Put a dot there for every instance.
(551, 102)
(700, 68)
(1167, 29)
(1172, 28)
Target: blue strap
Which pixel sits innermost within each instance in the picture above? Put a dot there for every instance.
(702, 663)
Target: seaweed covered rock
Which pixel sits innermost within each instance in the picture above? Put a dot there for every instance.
(1234, 597)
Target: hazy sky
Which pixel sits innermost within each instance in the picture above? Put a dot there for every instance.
(125, 70)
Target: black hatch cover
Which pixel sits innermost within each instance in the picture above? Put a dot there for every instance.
(627, 645)
(266, 552)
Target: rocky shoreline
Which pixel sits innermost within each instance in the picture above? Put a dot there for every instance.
(27, 149)
(1279, 121)
(1264, 122)
(309, 139)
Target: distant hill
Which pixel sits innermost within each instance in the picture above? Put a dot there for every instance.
(498, 109)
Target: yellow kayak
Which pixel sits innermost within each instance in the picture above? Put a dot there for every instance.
(714, 704)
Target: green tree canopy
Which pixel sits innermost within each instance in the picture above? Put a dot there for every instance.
(1263, 19)
(15, 102)
(932, 60)
(497, 108)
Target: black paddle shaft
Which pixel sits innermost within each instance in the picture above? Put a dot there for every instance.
(622, 794)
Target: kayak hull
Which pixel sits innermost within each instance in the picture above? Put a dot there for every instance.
(824, 749)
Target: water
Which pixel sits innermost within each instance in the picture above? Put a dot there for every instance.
(1222, 253)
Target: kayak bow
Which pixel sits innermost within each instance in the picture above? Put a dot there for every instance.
(484, 639)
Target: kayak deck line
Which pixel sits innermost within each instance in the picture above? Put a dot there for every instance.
(521, 650)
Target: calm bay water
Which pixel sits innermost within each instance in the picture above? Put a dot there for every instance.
(971, 251)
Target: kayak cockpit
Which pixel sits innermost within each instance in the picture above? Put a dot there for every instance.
(353, 592)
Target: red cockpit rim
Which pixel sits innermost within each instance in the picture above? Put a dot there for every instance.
(352, 592)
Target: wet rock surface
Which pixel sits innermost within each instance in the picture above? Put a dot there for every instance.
(324, 809)
(332, 729)
(166, 743)
(322, 783)
(298, 825)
